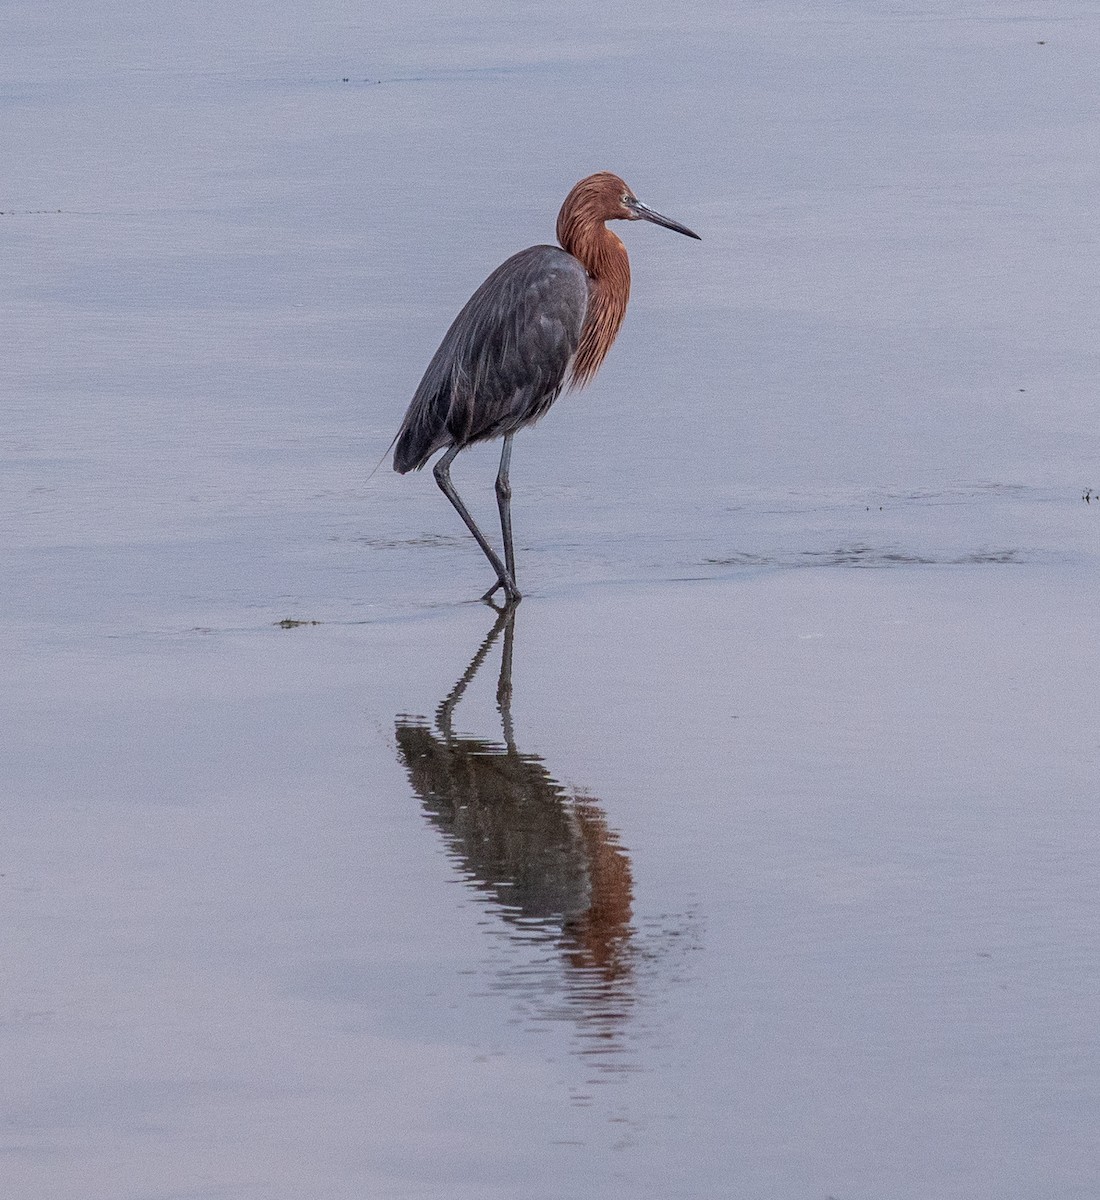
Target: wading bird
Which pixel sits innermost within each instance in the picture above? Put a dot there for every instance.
(542, 321)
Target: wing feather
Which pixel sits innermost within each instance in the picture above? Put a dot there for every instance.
(503, 361)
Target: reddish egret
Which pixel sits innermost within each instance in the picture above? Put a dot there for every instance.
(543, 320)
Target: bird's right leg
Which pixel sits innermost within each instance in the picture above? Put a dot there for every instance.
(505, 578)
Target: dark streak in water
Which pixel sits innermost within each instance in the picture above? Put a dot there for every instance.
(860, 555)
(433, 540)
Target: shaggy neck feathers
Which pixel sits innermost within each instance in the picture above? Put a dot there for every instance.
(582, 233)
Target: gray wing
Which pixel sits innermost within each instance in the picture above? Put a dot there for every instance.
(503, 361)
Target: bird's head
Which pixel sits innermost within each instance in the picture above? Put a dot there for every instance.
(605, 197)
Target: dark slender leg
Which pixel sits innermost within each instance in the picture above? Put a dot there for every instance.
(504, 504)
(442, 472)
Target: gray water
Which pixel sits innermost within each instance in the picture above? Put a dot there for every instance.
(757, 855)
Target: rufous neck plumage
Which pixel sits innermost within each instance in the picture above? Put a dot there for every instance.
(582, 233)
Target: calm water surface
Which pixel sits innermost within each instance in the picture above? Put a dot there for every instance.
(755, 855)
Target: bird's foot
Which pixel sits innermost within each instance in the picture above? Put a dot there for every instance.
(511, 592)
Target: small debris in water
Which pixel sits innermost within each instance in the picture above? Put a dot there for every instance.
(293, 623)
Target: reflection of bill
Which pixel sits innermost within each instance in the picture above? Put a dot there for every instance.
(545, 857)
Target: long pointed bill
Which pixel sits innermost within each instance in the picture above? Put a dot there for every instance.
(644, 213)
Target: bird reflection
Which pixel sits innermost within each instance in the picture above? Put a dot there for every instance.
(544, 857)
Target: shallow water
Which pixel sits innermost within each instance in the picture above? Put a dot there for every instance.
(757, 854)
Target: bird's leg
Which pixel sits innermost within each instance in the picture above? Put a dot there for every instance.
(442, 472)
(504, 504)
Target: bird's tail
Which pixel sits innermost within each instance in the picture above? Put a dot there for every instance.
(415, 445)
(406, 456)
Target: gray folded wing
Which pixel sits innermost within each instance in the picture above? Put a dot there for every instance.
(503, 361)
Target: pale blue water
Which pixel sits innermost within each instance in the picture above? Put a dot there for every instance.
(785, 886)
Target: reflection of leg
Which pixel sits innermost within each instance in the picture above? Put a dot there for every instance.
(442, 472)
(447, 706)
(504, 684)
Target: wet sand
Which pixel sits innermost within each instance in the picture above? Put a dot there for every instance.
(756, 855)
